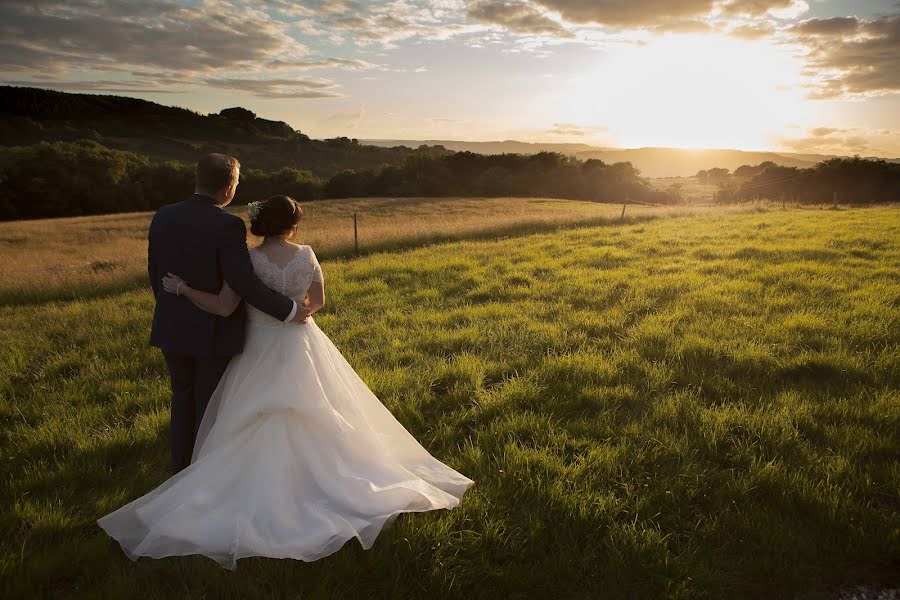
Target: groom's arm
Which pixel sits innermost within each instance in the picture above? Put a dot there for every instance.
(234, 260)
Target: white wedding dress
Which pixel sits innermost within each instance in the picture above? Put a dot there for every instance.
(294, 457)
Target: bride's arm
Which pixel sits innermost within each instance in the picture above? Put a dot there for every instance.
(315, 297)
(222, 304)
(315, 294)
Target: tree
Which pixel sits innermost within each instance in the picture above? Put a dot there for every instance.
(349, 184)
(745, 171)
(238, 114)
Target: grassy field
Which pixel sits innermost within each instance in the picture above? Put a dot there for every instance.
(59, 259)
(696, 406)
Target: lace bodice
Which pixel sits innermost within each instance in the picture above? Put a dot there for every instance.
(292, 279)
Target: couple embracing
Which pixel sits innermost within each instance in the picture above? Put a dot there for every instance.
(279, 448)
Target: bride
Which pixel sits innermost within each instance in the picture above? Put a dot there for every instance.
(295, 455)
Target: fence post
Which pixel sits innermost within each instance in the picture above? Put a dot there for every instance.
(355, 235)
(624, 204)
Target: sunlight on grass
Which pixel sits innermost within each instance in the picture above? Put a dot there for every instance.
(89, 256)
(699, 406)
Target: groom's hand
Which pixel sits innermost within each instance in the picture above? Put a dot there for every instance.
(302, 314)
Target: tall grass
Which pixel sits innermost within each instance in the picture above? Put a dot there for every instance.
(693, 407)
(64, 259)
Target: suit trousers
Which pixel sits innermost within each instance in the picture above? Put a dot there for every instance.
(194, 380)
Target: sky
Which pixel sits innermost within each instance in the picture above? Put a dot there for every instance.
(814, 76)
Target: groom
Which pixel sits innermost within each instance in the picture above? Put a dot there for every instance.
(205, 245)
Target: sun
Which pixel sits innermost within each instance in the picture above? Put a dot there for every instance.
(689, 91)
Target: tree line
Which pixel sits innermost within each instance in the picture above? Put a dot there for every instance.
(849, 180)
(64, 179)
(67, 154)
(84, 177)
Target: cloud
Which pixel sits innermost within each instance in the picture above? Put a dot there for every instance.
(754, 31)
(825, 131)
(169, 45)
(344, 121)
(515, 16)
(823, 27)
(157, 46)
(849, 57)
(684, 26)
(570, 129)
(442, 120)
(627, 13)
(328, 63)
(387, 29)
(56, 37)
(279, 88)
(661, 15)
(303, 8)
(564, 18)
(844, 141)
(784, 9)
(299, 88)
(383, 24)
(311, 7)
(99, 85)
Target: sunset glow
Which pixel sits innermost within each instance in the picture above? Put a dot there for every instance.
(690, 92)
(788, 75)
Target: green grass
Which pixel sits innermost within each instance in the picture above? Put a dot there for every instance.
(689, 407)
(88, 257)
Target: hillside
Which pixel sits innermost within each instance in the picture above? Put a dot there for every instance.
(31, 115)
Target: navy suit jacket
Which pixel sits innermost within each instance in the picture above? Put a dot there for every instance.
(204, 245)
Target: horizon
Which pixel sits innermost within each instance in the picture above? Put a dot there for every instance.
(610, 148)
(783, 76)
(593, 147)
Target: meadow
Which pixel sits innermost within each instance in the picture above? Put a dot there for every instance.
(64, 259)
(683, 404)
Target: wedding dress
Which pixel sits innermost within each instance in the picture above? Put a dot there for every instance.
(295, 455)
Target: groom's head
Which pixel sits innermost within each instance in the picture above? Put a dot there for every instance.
(217, 176)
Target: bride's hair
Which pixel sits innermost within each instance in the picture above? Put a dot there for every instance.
(274, 216)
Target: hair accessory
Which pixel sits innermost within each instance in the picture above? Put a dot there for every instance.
(253, 209)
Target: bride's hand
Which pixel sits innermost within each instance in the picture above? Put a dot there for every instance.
(173, 284)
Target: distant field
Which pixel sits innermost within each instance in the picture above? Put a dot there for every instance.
(692, 190)
(69, 258)
(696, 406)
